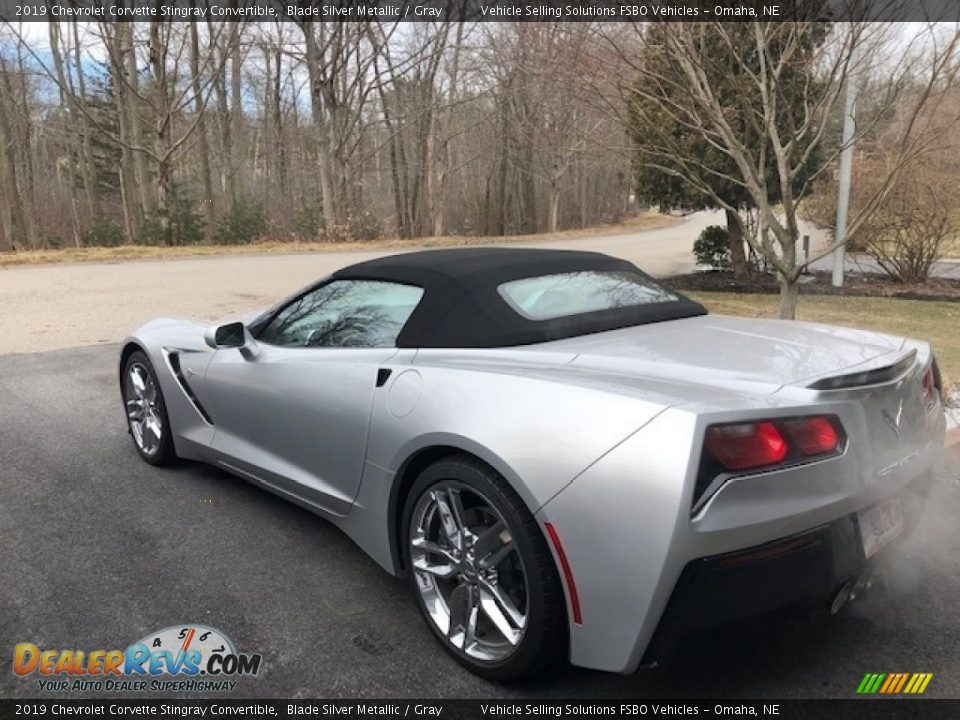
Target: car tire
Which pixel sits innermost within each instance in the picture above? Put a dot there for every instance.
(146, 411)
(471, 596)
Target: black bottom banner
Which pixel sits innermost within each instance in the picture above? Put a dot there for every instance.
(860, 709)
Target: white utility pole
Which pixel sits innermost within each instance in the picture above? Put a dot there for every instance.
(846, 168)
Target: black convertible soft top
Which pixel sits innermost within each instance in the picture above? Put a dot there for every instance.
(461, 306)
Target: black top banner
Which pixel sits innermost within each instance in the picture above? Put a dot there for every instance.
(479, 10)
(484, 709)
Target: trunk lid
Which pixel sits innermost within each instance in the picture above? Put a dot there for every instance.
(730, 351)
(880, 376)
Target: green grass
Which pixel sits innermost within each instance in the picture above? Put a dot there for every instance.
(936, 322)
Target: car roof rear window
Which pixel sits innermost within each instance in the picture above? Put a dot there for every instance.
(547, 297)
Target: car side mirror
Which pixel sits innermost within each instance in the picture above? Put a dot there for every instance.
(232, 335)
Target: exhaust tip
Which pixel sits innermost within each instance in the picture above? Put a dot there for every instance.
(843, 596)
(851, 590)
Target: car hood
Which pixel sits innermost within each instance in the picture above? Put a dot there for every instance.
(722, 350)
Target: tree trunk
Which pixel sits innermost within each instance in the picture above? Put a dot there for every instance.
(553, 220)
(323, 145)
(427, 162)
(789, 293)
(529, 185)
(280, 146)
(504, 165)
(22, 132)
(223, 126)
(398, 197)
(67, 118)
(582, 183)
(162, 142)
(209, 211)
(439, 201)
(132, 217)
(11, 207)
(134, 122)
(238, 130)
(486, 206)
(89, 168)
(129, 232)
(738, 257)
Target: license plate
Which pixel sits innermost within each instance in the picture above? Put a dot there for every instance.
(880, 525)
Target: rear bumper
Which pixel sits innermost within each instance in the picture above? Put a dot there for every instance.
(633, 546)
(807, 568)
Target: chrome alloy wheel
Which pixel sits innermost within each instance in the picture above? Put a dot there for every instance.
(143, 411)
(468, 571)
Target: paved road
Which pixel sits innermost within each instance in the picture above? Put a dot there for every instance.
(66, 305)
(858, 264)
(98, 549)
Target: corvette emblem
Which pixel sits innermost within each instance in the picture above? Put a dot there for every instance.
(894, 421)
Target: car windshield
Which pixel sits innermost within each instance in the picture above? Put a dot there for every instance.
(552, 296)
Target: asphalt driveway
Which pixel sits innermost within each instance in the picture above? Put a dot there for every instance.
(97, 549)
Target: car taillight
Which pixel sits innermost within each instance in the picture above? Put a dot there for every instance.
(813, 435)
(741, 446)
(730, 448)
(746, 446)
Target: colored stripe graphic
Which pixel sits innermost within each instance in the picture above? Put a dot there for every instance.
(894, 683)
(903, 681)
(891, 679)
(890, 686)
(871, 683)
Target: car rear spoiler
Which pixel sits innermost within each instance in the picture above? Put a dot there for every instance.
(875, 376)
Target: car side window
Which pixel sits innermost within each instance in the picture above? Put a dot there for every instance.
(345, 313)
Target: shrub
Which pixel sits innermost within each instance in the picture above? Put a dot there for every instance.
(103, 233)
(242, 225)
(184, 225)
(712, 248)
(309, 224)
(365, 227)
(306, 222)
(909, 232)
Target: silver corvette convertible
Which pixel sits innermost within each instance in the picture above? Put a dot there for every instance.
(564, 458)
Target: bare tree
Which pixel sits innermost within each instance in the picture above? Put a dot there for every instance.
(125, 132)
(563, 122)
(803, 58)
(18, 217)
(203, 149)
(15, 231)
(163, 104)
(414, 115)
(340, 59)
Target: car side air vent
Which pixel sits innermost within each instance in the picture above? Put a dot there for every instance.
(869, 377)
(174, 360)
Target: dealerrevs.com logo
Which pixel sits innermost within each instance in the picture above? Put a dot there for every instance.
(176, 659)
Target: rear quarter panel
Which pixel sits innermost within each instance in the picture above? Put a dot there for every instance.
(538, 427)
